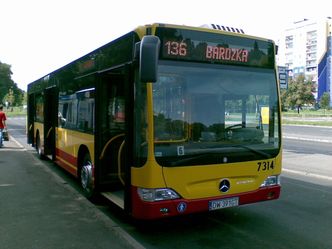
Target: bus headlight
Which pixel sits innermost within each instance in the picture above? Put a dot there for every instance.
(271, 180)
(157, 194)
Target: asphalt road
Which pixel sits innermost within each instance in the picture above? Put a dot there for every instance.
(308, 133)
(39, 209)
(301, 218)
(308, 153)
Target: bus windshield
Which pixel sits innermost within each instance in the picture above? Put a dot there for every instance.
(212, 114)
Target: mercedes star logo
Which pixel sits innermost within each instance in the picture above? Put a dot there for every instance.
(224, 185)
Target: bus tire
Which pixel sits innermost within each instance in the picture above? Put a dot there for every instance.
(38, 147)
(85, 176)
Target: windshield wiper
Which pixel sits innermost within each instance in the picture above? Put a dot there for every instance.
(190, 159)
(209, 155)
(257, 152)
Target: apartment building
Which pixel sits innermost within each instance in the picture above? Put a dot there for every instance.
(305, 48)
(325, 66)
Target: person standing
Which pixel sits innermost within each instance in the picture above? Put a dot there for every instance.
(2, 124)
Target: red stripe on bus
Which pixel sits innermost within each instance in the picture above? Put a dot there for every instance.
(67, 157)
(159, 209)
(67, 161)
(68, 168)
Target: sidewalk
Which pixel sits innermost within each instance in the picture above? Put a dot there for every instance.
(307, 120)
(39, 210)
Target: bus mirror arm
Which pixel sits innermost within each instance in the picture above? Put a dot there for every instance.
(148, 58)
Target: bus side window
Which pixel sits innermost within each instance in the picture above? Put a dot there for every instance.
(116, 109)
(62, 114)
(86, 111)
(61, 120)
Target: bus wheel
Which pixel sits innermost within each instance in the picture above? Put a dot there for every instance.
(86, 177)
(38, 148)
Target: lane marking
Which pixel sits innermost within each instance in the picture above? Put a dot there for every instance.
(19, 147)
(308, 139)
(312, 126)
(303, 173)
(15, 141)
(12, 149)
(6, 185)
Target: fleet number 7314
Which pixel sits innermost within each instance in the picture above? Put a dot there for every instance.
(265, 165)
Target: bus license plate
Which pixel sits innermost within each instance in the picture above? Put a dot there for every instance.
(223, 203)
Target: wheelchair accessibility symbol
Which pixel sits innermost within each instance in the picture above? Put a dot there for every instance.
(182, 207)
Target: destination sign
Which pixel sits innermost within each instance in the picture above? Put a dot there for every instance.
(179, 44)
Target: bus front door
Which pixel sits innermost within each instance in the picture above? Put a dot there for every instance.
(111, 166)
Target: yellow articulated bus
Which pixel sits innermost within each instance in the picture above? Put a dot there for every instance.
(166, 120)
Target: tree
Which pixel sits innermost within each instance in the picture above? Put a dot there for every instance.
(5, 79)
(283, 97)
(8, 88)
(325, 101)
(300, 92)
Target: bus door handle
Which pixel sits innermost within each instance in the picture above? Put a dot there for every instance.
(119, 162)
(102, 154)
(49, 132)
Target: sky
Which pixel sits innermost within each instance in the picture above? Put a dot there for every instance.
(40, 36)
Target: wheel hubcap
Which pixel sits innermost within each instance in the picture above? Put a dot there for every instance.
(86, 175)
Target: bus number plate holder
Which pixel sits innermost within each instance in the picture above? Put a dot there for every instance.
(223, 203)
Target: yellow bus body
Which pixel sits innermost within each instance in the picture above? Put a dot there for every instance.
(202, 181)
(68, 143)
